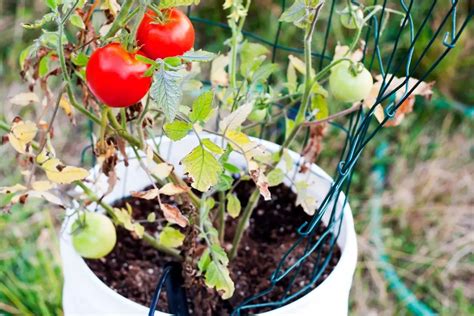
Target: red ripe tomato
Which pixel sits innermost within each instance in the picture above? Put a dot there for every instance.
(173, 37)
(115, 76)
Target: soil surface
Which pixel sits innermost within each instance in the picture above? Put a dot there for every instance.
(134, 268)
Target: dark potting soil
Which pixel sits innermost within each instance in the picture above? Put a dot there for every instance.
(133, 268)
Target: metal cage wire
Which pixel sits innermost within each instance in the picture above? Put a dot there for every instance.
(361, 127)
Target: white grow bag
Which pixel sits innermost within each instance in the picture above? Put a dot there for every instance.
(85, 294)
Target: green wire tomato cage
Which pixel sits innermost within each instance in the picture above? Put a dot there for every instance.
(394, 48)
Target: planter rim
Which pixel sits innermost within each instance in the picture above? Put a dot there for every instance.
(348, 250)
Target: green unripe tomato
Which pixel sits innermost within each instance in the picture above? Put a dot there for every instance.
(257, 115)
(354, 20)
(347, 85)
(94, 235)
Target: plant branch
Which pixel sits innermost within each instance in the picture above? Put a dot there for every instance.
(110, 211)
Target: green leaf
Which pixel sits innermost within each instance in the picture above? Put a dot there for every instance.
(52, 4)
(233, 205)
(25, 54)
(176, 3)
(43, 66)
(231, 168)
(176, 130)
(203, 168)
(80, 59)
(204, 261)
(198, 56)
(252, 56)
(171, 237)
(263, 72)
(275, 177)
(151, 217)
(202, 107)
(212, 147)
(218, 276)
(289, 125)
(224, 183)
(76, 20)
(166, 91)
(295, 14)
(319, 103)
(48, 17)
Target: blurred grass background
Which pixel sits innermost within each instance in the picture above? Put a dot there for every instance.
(428, 203)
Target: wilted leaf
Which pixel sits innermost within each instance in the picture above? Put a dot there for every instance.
(304, 198)
(202, 167)
(233, 205)
(171, 237)
(260, 180)
(12, 189)
(219, 77)
(299, 65)
(47, 196)
(173, 215)
(173, 189)
(315, 145)
(235, 119)
(146, 195)
(24, 99)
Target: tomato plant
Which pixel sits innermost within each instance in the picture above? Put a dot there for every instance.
(350, 83)
(116, 77)
(94, 235)
(170, 35)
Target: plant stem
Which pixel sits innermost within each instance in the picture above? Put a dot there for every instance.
(221, 217)
(110, 211)
(308, 80)
(236, 33)
(243, 223)
(119, 20)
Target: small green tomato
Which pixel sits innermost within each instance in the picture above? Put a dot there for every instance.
(257, 115)
(94, 235)
(350, 85)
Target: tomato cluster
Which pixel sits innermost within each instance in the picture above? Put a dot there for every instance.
(116, 77)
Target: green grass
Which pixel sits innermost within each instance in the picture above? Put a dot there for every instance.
(30, 271)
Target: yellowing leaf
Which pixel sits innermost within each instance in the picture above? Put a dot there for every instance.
(304, 198)
(42, 186)
(177, 130)
(67, 108)
(202, 167)
(275, 177)
(59, 173)
(173, 189)
(21, 134)
(173, 215)
(171, 237)
(212, 147)
(233, 205)
(218, 276)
